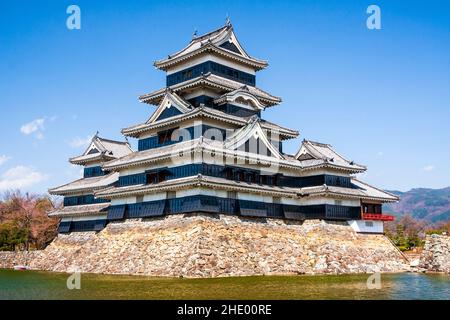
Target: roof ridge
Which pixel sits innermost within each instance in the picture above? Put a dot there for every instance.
(110, 140)
(180, 99)
(212, 42)
(314, 144)
(213, 80)
(207, 35)
(66, 184)
(210, 112)
(97, 178)
(369, 185)
(317, 143)
(199, 39)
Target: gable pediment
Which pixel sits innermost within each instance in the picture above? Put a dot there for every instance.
(307, 153)
(169, 111)
(93, 148)
(170, 106)
(252, 138)
(305, 156)
(227, 40)
(241, 97)
(230, 46)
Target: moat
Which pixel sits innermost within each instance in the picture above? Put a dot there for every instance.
(47, 285)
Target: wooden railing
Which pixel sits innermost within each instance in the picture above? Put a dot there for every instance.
(377, 216)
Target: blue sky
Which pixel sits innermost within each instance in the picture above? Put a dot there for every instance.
(380, 97)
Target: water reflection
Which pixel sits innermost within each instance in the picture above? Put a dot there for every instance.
(44, 285)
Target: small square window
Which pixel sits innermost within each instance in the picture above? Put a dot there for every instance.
(369, 224)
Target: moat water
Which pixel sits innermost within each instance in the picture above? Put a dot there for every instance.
(46, 285)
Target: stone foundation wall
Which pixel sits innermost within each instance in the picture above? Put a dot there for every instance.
(436, 254)
(211, 246)
(9, 259)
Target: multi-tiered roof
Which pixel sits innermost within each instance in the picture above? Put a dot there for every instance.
(221, 42)
(206, 148)
(79, 198)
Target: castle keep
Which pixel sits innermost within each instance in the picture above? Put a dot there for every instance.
(207, 149)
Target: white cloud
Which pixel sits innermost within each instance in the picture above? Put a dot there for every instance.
(429, 168)
(80, 142)
(3, 159)
(380, 153)
(20, 177)
(39, 135)
(35, 126)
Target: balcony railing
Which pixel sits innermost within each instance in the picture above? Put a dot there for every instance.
(377, 216)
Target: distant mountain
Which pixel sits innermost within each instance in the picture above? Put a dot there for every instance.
(429, 204)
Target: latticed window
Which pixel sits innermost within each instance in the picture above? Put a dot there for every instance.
(93, 172)
(89, 225)
(252, 208)
(82, 200)
(186, 74)
(232, 173)
(133, 179)
(64, 226)
(116, 212)
(213, 67)
(371, 208)
(148, 143)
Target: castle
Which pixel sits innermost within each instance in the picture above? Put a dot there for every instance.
(207, 149)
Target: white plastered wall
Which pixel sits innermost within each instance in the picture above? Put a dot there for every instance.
(367, 226)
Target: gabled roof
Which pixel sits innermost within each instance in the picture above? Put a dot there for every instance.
(241, 94)
(361, 191)
(85, 184)
(213, 81)
(101, 149)
(170, 100)
(196, 181)
(252, 130)
(373, 192)
(201, 146)
(208, 113)
(311, 150)
(80, 211)
(222, 42)
(204, 147)
(201, 181)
